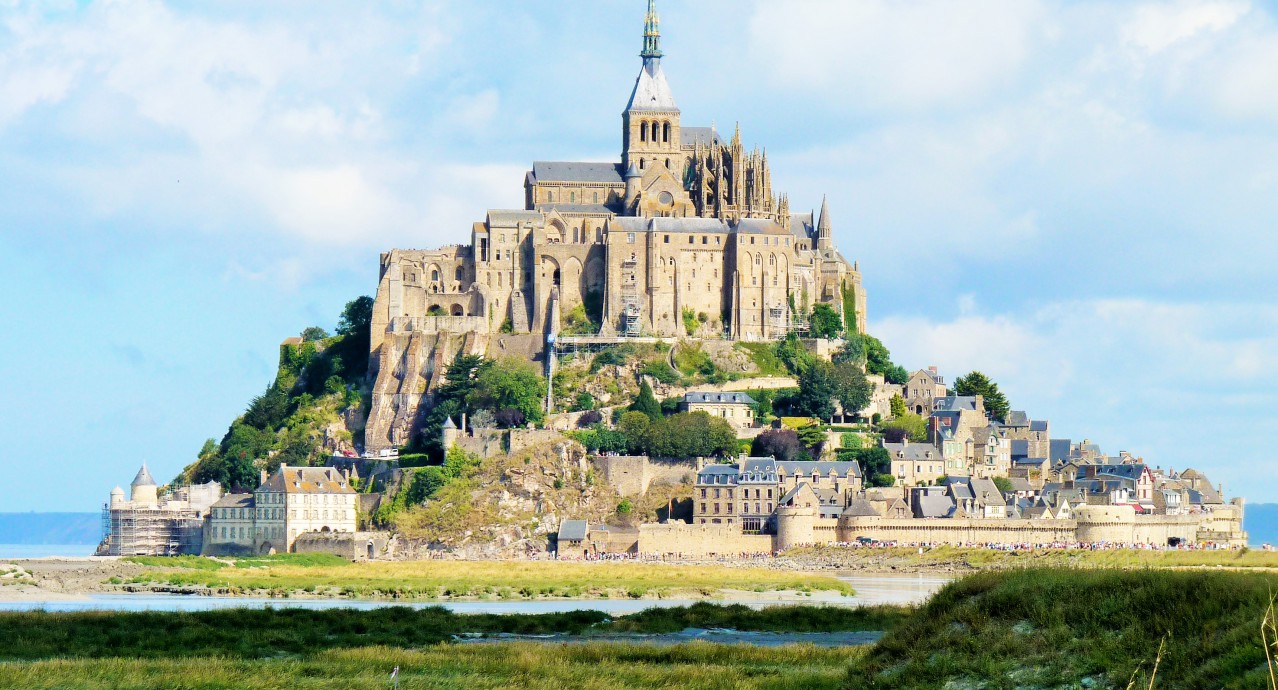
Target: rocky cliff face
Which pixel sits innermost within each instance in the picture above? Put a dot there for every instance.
(511, 505)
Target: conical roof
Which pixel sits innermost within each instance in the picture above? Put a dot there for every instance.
(448, 423)
(143, 478)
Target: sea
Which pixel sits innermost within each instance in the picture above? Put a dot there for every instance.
(45, 550)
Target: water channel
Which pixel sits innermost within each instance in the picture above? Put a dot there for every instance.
(870, 589)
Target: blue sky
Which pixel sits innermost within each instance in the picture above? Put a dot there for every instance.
(1077, 198)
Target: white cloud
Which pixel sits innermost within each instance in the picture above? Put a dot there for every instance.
(895, 55)
(1153, 28)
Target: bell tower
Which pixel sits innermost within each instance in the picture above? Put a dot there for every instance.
(650, 126)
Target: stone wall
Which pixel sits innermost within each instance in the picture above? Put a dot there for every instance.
(959, 531)
(633, 475)
(699, 540)
(349, 545)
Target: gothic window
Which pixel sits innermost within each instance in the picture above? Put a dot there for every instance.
(772, 260)
(758, 259)
(434, 276)
(597, 201)
(655, 131)
(643, 131)
(461, 274)
(665, 137)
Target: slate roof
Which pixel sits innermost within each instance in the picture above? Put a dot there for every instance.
(954, 403)
(1022, 460)
(859, 507)
(308, 480)
(1132, 472)
(930, 504)
(806, 467)
(706, 136)
(913, 451)
(986, 491)
(1020, 449)
(759, 466)
(639, 224)
(573, 530)
(717, 470)
(1020, 484)
(143, 477)
(959, 489)
(652, 91)
(726, 398)
(1016, 418)
(1059, 450)
(1038, 425)
(577, 171)
(234, 501)
(510, 218)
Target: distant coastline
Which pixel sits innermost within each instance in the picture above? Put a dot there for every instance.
(34, 529)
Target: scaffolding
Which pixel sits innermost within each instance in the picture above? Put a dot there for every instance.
(151, 531)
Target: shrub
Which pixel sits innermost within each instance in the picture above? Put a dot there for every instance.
(584, 401)
(510, 418)
(661, 371)
(589, 419)
(625, 507)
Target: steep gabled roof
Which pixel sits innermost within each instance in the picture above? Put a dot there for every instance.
(307, 480)
(652, 91)
(725, 398)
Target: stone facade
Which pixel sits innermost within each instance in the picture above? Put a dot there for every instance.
(148, 523)
(685, 223)
(292, 502)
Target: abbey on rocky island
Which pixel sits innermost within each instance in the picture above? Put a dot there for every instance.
(686, 220)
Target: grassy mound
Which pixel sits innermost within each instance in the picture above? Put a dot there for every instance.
(1079, 629)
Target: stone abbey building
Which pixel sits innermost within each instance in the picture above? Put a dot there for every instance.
(685, 220)
(685, 223)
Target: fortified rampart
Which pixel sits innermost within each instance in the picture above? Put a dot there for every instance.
(633, 475)
(699, 540)
(355, 546)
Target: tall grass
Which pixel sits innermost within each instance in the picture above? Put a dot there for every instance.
(1060, 628)
(252, 633)
(532, 666)
(532, 579)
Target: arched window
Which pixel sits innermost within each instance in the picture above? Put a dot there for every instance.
(665, 136)
(655, 132)
(461, 273)
(596, 197)
(641, 163)
(643, 131)
(434, 276)
(573, 197)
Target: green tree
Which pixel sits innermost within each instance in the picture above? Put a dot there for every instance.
(458, 463)
(878, 360)
(357, 317)
(852, 351)
(882, 480)
(907, 426)
(812, 436)
(976, 383)
(817, 390)
(268, 410)
(1004, 484)
(585, 401)
(851, 441)
(634, 426)
(511, 384)
(314, 333)
(625, 507)
(792, 354)
(691, 434)
(852, 389)
(462, 379)
(647, 402)
(898, 405)
(825, 321)
(782, 444)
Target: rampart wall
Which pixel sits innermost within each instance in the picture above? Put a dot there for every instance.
(699, 540)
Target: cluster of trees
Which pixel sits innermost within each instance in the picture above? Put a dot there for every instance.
(645, 429)
(511, 390)
(278, 426)
(789, 444)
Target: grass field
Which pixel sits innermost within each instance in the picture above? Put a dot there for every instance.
(532, 666)
(270, 633)
(507, 580)
(982, 559)
(1078, 629)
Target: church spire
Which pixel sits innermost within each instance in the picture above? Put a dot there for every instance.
(824, 234)
(651, 33)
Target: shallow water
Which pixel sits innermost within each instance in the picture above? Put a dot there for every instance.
(758, 639)
(870, 589)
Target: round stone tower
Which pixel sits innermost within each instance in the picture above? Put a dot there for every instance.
(450, 434)
(1115, 524)
(144, 490)
(117, 496)
(796, 526)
